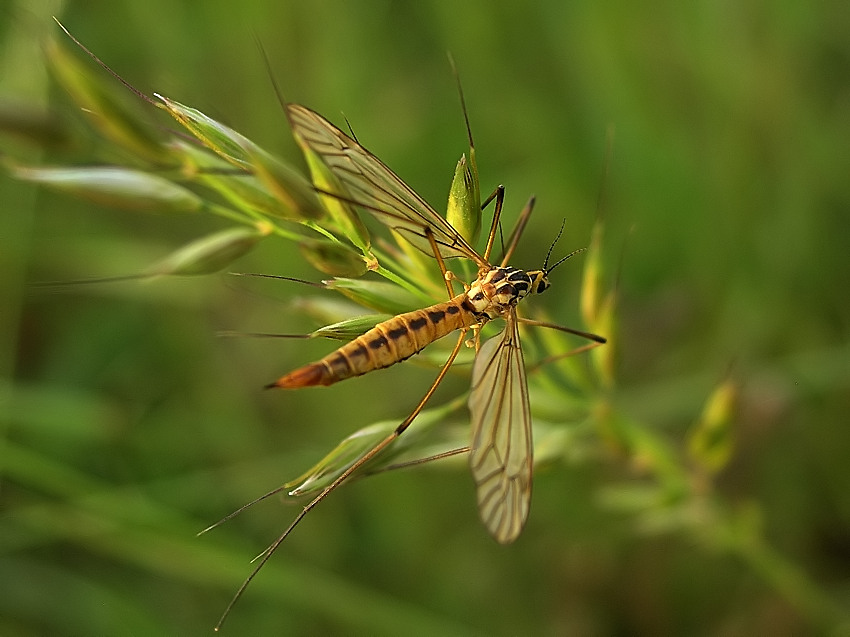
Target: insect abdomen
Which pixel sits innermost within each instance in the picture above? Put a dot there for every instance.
(385, 344)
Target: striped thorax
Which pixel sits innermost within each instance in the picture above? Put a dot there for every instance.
(499, 289)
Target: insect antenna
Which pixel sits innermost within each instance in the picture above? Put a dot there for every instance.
(548, 268)
(552, 246)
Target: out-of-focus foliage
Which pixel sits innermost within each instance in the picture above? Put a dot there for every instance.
(703, 489)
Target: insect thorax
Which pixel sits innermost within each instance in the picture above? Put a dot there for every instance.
(499, 289)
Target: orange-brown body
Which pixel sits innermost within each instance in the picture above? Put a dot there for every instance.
(387, 343)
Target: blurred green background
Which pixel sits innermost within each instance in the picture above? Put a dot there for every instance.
(128, 425)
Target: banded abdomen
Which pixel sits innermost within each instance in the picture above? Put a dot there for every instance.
(385, 344)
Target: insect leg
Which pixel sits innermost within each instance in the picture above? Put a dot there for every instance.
(492, 196)
(516, 233)
(556, 357)
(561, 328)
(443, 270)
(374, 451)
(597, 341)
(499, 194)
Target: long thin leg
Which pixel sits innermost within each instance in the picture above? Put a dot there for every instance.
(443, 270)
(374, 451)
(556, 357)
(513, 240)
(597, 341)
(491, 197)
(561, 328)
(497, 213)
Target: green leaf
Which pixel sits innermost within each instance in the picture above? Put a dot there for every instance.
(334, 259)
(464, 206)
(342, 212)
(378, 295)
(115, 187)
(349, 329)
(211, 253)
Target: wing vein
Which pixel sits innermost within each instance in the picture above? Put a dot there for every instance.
(376, 188)
(501, 449)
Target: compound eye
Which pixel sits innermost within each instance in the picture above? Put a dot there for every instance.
(542, 285)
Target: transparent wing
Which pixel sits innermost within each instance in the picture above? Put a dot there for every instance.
(501, 450)
(372, 185)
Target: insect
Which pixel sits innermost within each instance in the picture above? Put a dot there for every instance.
(500, 452)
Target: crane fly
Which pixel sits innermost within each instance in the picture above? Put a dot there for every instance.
(500, 452)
